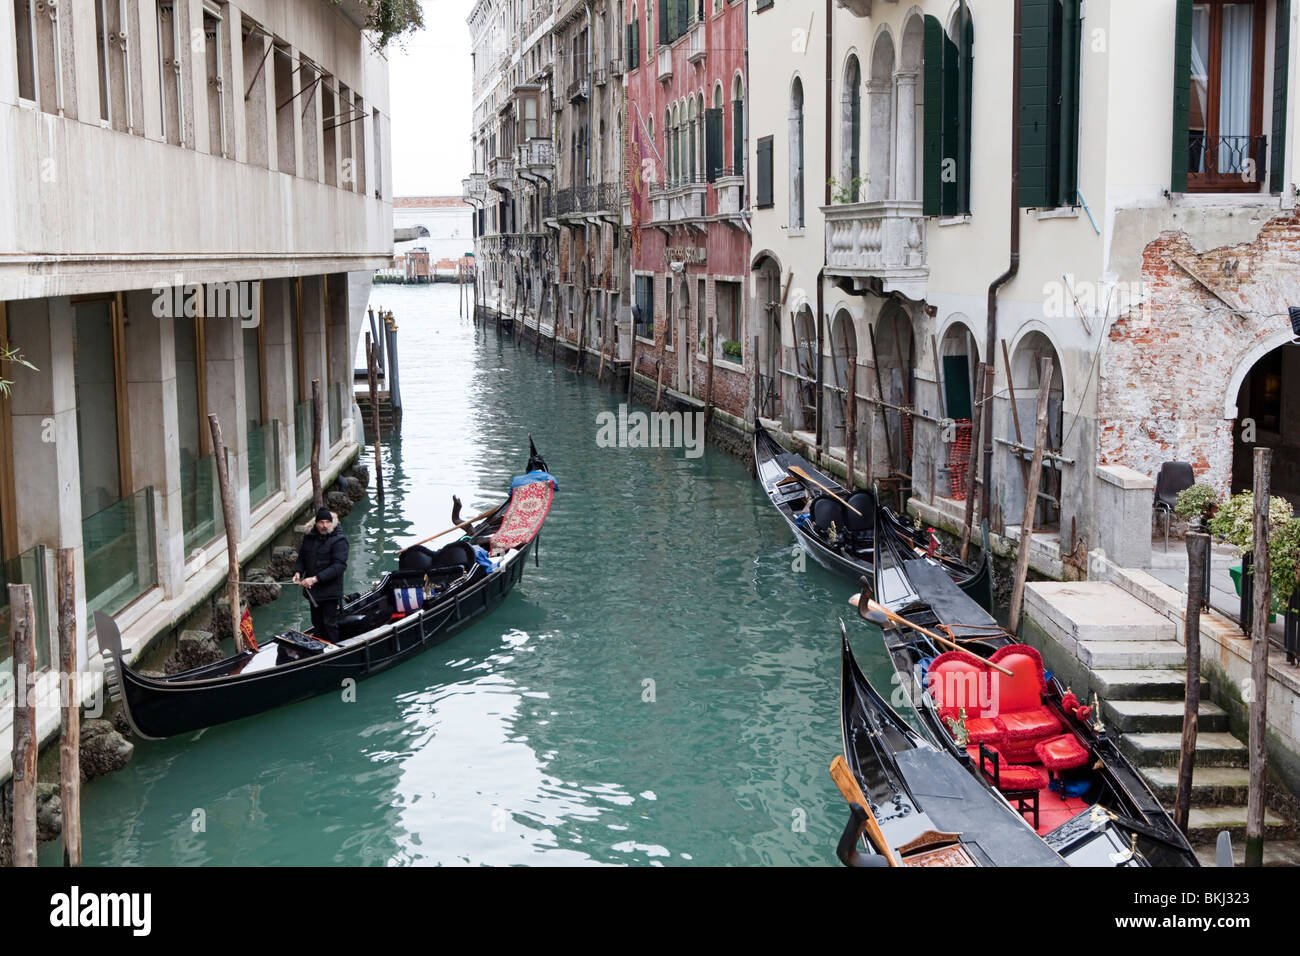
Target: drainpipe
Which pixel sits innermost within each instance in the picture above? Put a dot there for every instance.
(821, 275)
(1013, 268)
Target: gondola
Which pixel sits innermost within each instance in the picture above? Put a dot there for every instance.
(844, 541)
(1022, 739)
(428, 598)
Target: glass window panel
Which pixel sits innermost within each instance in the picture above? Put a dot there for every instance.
(96, 393)
(252, 378)
(187, 390)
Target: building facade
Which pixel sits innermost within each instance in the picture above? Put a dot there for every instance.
(1150, 252)
(690, 248)
(204, 196)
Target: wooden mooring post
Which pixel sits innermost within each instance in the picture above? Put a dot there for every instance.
(659, 383)
(228, 516)
(631, 365)
(983, 388)
(1198, 554)
(317, 494)
(22, 644)
(1259, 663)
(371, 380)
(708, 371)
(70, 739)
(1031, 497)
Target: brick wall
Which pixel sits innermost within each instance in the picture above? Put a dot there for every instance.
(1167, 364)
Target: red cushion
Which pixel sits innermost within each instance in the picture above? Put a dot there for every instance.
(983, 730)
(957, 679)
(1014, 776)
(1025, 688)
(1020, 751)
(1062, 753)
(1029, 724)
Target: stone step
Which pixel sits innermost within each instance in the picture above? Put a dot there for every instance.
(1162, 750)
(1154, 716)
(1205, 823)
(1210, 785)
(1144, 684)
(1130, 655)
(1276, 853)
(1076, 612)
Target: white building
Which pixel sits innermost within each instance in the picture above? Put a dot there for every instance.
(197, 198)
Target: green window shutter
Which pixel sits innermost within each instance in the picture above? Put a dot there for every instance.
(738, 137)
(965, 101)
(952, 166)
(932, 180)
(1068, 160)
(630, 44)
(664, 7)
(683, 14)
(712, 143)
(1182, 95)
(1281, 56)
(1036, 127)
(764, 162)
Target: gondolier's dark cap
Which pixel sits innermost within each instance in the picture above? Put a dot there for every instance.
(324, 514)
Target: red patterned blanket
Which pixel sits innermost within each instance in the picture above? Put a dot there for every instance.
(529, 505)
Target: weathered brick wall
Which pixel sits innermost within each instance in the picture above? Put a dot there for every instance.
(1167, 364)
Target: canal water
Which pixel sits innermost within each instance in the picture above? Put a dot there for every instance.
(662, 690)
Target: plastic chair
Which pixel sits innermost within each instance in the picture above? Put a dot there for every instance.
(1174, 476)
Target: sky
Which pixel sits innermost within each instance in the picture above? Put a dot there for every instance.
(430, 87)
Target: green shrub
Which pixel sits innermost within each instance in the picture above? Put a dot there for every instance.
(1234, 522)
(1198, 501)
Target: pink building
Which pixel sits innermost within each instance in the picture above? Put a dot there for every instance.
(685, 163)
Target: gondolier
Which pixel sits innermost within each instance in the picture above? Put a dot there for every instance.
(322, 559)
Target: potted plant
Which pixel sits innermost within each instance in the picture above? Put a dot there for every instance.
(1234, 522)
(1197, 504)
(732, 350)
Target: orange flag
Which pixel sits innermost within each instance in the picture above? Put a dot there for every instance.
(246, 628)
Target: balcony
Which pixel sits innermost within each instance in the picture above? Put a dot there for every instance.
(615, 66)
(501, 173)
(600, 76)
(594, 199)
(731, 193)
(696, 51)
(882, 241)
(474, 189)
(537, 156)
(665, 60)
(579, 89)
(859, 8)
(688, 201)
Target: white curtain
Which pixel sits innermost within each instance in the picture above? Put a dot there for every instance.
(1234, 87)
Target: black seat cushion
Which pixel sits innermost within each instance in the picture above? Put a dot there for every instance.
(865, 523)
(826, 511)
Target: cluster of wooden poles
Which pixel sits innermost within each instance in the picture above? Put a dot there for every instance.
(26, 741)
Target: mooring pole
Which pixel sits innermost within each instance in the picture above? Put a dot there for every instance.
(708, 369)
(374, 416)
(1258, 701)
(1198, 551)
(983, 387)
(317, 495)
(22, 644)
(70, 739)
(1031, 497)
(228, 516)
(631, 365)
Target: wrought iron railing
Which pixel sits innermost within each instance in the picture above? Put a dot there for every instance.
(1227, 160)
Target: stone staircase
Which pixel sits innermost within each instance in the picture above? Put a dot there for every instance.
(1100, 638)
(390, 419)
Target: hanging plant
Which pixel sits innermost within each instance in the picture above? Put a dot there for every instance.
(391, 19)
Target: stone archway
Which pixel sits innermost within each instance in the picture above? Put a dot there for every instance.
(843, 352)
(895, 360)
(767, 289)
(1268, 414)
(1026, 368)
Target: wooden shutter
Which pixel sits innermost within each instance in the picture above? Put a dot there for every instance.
(1281, 65)
(764, 162)
(951, 134)
(1071, 36)
(965, 69)
(713, 143)
(1182, 95)
(738, 137)
(664, 7)
(932, 180)
(629, 45)
(1036, 126)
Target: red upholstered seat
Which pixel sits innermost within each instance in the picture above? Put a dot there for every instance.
(957, 679)
(1062, 753)
(1029, 724)
(983, 730)
(1012, 776)
(1001, 709)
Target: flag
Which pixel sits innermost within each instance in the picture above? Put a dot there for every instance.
(246, 628)
(643, 165)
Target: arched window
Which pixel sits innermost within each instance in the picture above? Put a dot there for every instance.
(796, 156)
(694, 154)
(667, 172)
(881, 158)
(738, 126)
(851, 132)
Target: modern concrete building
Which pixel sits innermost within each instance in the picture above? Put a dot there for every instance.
(688, 204)
(197, 195)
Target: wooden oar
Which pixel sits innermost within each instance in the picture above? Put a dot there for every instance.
(852, 793)
(803, 475)
(943, 641)
(469, 521)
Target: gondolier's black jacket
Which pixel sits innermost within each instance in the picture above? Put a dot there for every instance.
(324, 557)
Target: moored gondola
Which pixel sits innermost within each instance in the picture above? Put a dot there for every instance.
(985, 702)
(843, 530)
(430, 596)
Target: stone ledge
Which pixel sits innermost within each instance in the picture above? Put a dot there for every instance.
(1121, 476)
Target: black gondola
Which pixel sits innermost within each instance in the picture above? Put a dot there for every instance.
(842, 541)
(377, 630)
(1024, 739)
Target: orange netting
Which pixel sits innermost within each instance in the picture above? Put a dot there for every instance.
(959, 459)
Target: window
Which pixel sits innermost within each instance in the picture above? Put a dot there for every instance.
(729, 345)
(1049, 96)
(328, 109)
(949, 70)
(217, 56)
(342, 127)
(309, 79)
(358, 122)
(256, 51)
(1219, 140)
(97, 338)
(851, 132)
(378, 131)
(25, 38)
(763, 150)
(633, 43)
(796, 156)
(738, 128)
(668, 311)
(118, 51)
(285, 112)
(170, 72)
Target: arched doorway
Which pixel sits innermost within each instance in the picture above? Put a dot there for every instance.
(768, 302)
(881, 93)
(958, 361)
(1026, 367)
(896, 369)
(843, 353)
(1268, 414)
(802, 364)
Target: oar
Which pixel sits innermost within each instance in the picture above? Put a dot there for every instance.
(942, 641)
(803, 475)
(852, 793)
(449, 530)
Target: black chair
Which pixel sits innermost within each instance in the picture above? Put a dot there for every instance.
(1174, 476)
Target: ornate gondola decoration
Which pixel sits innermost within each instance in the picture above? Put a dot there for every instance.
(431, 595)
(850, 531)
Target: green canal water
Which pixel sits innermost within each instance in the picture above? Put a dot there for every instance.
(662, 690)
